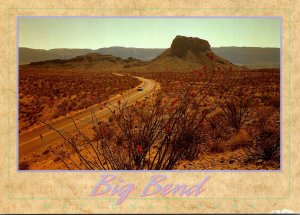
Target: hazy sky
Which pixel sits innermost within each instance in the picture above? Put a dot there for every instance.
(94, 33)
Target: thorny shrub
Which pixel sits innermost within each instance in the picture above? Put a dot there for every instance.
(236, 102)
(236, 109)
(267, 146)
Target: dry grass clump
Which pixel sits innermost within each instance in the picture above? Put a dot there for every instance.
(240, 139)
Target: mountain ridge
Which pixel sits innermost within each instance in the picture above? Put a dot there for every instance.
(249, 56)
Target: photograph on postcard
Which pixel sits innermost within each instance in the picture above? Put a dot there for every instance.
(149, 93)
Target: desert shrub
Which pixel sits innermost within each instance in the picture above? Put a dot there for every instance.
(268, 138)
(236, 109)
(193, 150)
(239, 139)
(263, 115)
(266, 148)
(269, 145)
(216, 125)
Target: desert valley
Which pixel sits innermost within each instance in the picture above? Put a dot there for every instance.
(188, 107)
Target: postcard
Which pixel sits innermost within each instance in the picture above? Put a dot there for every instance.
(149, 107)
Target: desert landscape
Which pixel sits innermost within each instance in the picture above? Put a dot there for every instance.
(181, 108)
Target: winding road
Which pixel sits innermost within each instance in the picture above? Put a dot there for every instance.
(29, 142)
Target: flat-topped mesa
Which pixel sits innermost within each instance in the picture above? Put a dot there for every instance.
(181, 45)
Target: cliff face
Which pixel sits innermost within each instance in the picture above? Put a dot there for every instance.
(181, 45)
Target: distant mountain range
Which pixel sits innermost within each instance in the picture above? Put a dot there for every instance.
(253, 57)
(124, 53)
(28, 55)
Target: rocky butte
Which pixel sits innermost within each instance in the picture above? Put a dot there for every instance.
(182, 45)
(186, 54)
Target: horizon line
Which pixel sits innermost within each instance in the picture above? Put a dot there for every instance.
(129, 47)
